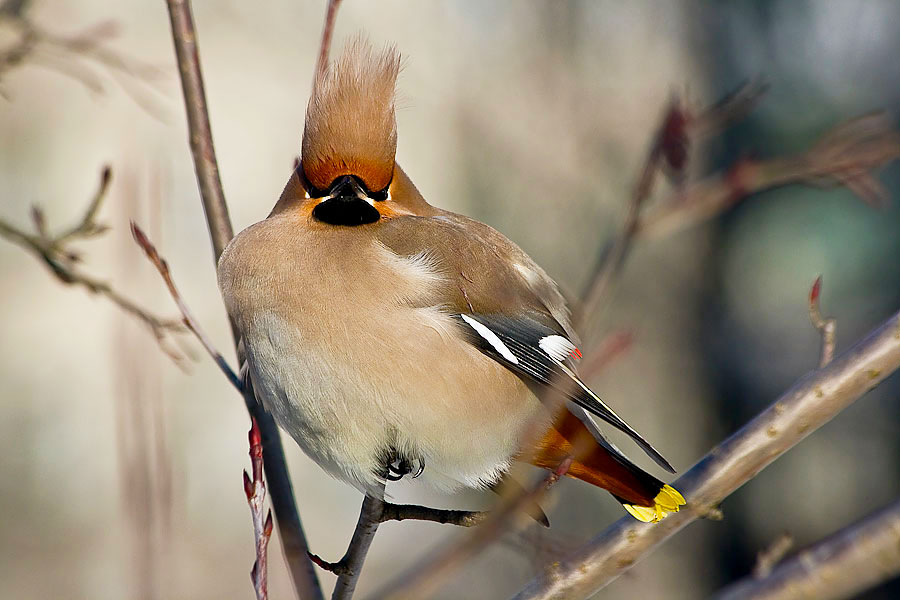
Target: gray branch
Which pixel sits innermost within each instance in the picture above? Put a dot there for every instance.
(843, 565)
(809, 404)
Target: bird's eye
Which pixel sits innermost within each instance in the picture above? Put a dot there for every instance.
(381, 195)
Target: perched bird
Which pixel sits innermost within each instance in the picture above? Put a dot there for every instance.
(389, 337)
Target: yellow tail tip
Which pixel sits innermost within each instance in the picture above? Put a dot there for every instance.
(668, 500)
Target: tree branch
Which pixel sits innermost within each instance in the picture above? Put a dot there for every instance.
(827, 327)
(192, 324)
(415, 512)
(63, 262)
(422, 580)
(843, 565)
(403, 512)
(669, 149)
(255, 490)
(770, 556)
(845, 156)
(352, 562)
(325, 42)
(35, 45)
(293, 539)
(200, 134)
(813, 401)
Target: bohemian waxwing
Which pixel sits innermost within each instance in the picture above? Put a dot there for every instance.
(388, 336)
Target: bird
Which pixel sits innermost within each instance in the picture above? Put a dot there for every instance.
(392, 338)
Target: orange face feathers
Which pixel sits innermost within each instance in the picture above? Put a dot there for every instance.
(350, 124)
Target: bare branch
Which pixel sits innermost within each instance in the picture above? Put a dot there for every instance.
(205, 165)
(422, 580)
(670, 146)
(163, 267)
(767, 558)
(845, 156)
(813, 401)
(826, 327)
(327, 32)
(63, 263)
(35, 45)
(375, 511)
(255, 490)
(403, 512)
(293, 539)
(352, 562)
(842, 566)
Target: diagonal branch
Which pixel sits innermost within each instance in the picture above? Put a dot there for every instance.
(293, 539)
(190, 322)
(843, 565)
(813, 401)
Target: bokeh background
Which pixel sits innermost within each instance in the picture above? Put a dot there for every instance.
(120, 474)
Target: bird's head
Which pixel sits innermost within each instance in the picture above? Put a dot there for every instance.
(347, 174)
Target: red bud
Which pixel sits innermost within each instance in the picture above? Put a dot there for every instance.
(267, 528)
(248, 486)
(816, 290)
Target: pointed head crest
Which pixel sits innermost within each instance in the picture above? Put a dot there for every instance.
(350, 125)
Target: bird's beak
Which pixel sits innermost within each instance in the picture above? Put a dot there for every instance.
(346, 203)
(347, 188)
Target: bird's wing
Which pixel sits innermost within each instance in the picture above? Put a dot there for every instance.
(505, 304)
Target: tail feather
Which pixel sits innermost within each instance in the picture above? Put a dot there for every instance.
(668, 500)
(645, 497)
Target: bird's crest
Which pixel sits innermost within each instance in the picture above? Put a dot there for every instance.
(350, 124)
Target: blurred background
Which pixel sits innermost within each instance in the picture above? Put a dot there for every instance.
(121, 472)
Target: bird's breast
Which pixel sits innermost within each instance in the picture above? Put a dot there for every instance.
(352, 351)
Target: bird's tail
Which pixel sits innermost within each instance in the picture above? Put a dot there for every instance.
(645, 497)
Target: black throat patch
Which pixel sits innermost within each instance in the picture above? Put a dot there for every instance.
(345, 210)
(349, 202)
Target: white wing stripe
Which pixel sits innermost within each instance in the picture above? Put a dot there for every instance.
(556, 347)
(491, 338)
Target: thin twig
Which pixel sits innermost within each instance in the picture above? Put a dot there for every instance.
(255, 490)
(293, 539)
(826, 327)
(844, 156)
(190, 322)
(422, 580)
(843, 565)
(770, 556)
(415, 512)
(62, 261)
(202, 149)
(325, 43)
(679, 127)
(810, 403)
(35, 45)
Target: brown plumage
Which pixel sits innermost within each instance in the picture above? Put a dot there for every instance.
(350, 125)
(379, 328)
